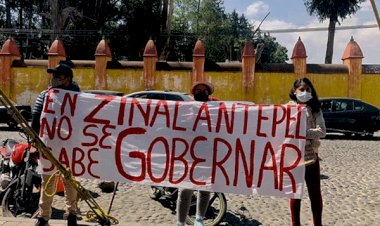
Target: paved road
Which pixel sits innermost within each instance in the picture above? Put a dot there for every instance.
(350, 189)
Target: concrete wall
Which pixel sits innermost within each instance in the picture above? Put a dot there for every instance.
(263, 84)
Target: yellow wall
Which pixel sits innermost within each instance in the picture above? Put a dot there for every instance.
(330, 85)
(272, 88)
(370, 89)
(228, 85)
(84, 77)
(27, 84)
(125, 81)
(269, 88)
(179, 81)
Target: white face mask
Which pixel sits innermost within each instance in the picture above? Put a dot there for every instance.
(304, 96)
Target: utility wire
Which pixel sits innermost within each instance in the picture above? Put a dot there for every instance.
(311, 29)
(39, 32)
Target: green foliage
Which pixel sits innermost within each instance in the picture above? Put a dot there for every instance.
(224, 35)
(128, 25)
(212, 23)
(140, 21)
(273, 52)
(240, 32)
(326, 9)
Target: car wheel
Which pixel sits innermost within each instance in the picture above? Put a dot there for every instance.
(369, 134)
(26, 115)
(358, 135)
(12, 124)
(347, 134)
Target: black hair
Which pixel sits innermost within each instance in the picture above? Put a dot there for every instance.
(314, 103)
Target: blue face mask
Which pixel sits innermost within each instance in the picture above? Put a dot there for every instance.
(304, 96)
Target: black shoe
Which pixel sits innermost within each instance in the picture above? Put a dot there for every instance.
(41, 222)
(72, 220)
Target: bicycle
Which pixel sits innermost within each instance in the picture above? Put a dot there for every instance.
(216, 211)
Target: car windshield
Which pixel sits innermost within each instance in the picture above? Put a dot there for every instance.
(162, 95)
(2, 105)
(105, 92)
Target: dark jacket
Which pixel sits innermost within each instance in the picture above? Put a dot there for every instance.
(38, 106)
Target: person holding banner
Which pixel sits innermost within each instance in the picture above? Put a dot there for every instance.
(62, 77)
(303, 92)
(201, 92)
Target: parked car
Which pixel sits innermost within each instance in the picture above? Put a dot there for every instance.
(104, 92)
(161, 95)
(5, 117)
(350, 116)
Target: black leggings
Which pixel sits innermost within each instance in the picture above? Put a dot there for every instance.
(313, 183)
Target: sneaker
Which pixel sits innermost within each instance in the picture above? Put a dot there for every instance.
(199, 222)
(41, 222)
(72, 220)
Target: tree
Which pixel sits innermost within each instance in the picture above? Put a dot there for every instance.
(332, 10)
(141, 20)
(80, 24)
(183, 30)
(174, 25)
(224, 35)
(166, 26)
(213, 25)
(272, 52)
(241, 31)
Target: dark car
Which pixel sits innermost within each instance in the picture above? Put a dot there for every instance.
(161, 95)
(350, 116)
(104, 92)
(5, 117)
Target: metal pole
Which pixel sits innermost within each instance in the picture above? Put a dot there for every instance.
(96, 210)
(113, 196)
(375, 12)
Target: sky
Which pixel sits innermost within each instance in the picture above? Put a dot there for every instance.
(285, 14)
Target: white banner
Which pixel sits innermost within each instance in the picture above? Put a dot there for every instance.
(229, 147)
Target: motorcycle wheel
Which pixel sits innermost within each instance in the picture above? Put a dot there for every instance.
(216, 211)
(11, 209)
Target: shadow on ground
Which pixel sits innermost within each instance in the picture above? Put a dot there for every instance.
(239, 220)
(324, 177)
(230, 218)
(352, 137)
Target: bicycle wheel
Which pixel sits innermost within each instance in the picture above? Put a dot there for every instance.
(216, 211)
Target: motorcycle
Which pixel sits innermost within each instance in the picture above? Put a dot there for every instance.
(215, 213)
(19, 181)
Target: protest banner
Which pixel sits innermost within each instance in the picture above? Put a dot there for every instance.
(230, 147)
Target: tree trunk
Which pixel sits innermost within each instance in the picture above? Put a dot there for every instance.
(167, 28)
(54, 18)
(8, 14)
(21, 17)
(164, 14)
(330, 41)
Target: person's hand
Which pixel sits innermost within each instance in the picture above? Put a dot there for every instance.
(33, 149)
